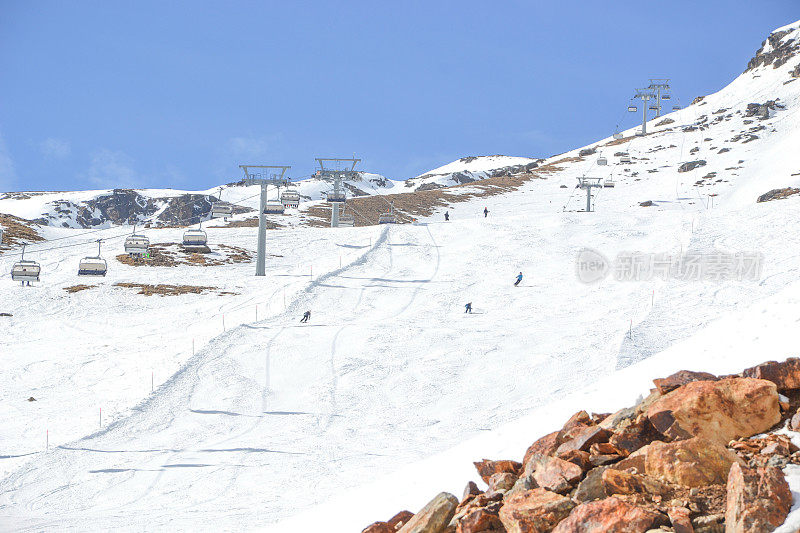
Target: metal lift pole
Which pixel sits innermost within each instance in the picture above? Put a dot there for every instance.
(251, 179)
(337, 176)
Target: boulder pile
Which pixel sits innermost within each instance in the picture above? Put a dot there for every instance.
(702, 453)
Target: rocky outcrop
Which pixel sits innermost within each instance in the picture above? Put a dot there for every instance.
(774, 51)
(434, 517)
(689, 457)
(777, 194)
(759, 500)
(691, 165)
(717, 410)
(611, 515)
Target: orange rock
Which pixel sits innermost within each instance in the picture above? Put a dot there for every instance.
(681, 378)
(581, 418)
(552, 473)
(397, 521)
(695, 462)
(434, 517)
(487, 468)
(610, 515)
(534, 511)
(579, 458)
(785, 375)
(635, 435)
(546, 445)
(480, 521)
(794, 423)
(758, 499)
(501, 481)
(583, 438)
(679, 516)
(379, 527)
(717, 410)
(618, 482)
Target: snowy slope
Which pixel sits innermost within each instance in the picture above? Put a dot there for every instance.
(468, 169)
(391, 381)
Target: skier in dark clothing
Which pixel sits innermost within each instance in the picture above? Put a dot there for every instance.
(446, 216)
(306, 316)
(519, 279)
(485, 212)
(468, 308)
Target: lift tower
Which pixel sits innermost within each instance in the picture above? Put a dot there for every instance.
(588, 184)
(658, 85)
(645, 95)
(264, 175)
(328, 171)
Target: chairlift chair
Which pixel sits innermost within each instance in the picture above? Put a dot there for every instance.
(676, 107)
(653, 108)
(93, 266)
(346, 221)
(602, 161)
(336, 198)
(617, 136)
(195, 237)
(136, 244)
(290, 198)
(220, 210)
(625, 158)
(387, 218)
(665, 97)
(609, 182)
(25, 271)
(274, 208)
(632, 109)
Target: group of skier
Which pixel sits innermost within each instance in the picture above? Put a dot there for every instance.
(468, 306)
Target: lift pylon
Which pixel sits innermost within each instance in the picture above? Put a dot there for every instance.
(336, 170)
(264, 175)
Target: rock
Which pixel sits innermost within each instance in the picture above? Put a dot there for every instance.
(31, 399)
(717, 410)
(646, 203)
(681, 378)
(480, 521)
(794, 423)
(470, 490)
(591, 488)
(635, 435)
(583, 438)
(552, 473)
(534, 511)
(636, 460)
(397, 521)
(378, 527)
(679, 517)
(758, 499)
(618, 482)
(709, 523)
(502, 481)
(696, 462)
(785, 375)
(586, 151)
(579, 458)
(434, 517)
(610, 515)
(546, 445)
(691, 165)
(486, 468)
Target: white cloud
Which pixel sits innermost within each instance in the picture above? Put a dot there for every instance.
(110, 169)
(8, 174)
(55, 148)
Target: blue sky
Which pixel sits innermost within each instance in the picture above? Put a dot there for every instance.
(97, 94)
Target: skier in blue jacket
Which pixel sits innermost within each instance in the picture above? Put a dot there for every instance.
(519, 279)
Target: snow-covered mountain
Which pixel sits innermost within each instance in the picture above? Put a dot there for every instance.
(469, 169)
(221, 412)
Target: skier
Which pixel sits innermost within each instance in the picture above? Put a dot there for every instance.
(519, 279)
(446, 216)
(468, 308)
(306, 316)
(485, 212)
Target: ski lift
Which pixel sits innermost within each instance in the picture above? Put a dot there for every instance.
(221, 209)
(617, 136)
(632, 109)
(653, 108)
(25, 271)
(273, 208)
(290, 198)
(665, 97)
(676, 107)
(609, 182)
(346, 221)
(602, 161)
(195, 237)
(93, 266)
(625, 158)
(336, 198)
(136, 244)
(388, 217)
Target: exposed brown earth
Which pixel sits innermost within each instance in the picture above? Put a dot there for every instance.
(78, 288)
(170, 254)
(169, 290)
(17, 231)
